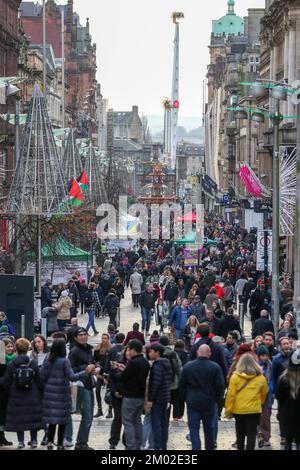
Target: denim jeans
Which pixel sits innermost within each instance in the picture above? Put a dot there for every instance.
(33, 436)
(146, 318)
(69, 429)
(147, 433)
(61, 324)
(209, 426)
(159, 421)
(132, 409)
(178, 334)
(87, 410)
(91, 323)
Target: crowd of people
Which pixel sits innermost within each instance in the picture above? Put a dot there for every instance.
(189, 353)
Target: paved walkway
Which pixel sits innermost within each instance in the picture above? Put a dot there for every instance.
(178, 430)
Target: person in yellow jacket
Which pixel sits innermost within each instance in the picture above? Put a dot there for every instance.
(246, 394)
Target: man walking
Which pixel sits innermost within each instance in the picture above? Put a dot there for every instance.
(81, 358)
(159, 395)
(134, 380)
(202, 387)
(136, 282)
(147, 305)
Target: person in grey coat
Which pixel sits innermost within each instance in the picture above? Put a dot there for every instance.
(136, 282)
(56, 375)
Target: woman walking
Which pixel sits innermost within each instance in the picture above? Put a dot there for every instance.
(9, 356)
(22, 382)
(190, 332)
(161, 314)
(100, 357)
(39, 350)
(63, 308)
(247, 392)
(288, 396)
(56, 375)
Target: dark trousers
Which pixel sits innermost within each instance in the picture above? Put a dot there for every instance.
(62, 324)
(99, 385)
(135, 299)
(159, 421)
(178, 405)
(116, 425)
(246, 426)
(112, 318)
(146, 318)
(61, 432)
(33, 436)
(209, 426)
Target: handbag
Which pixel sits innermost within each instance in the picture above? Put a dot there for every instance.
(108, 397)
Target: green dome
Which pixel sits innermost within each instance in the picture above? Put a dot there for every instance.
(230, 24)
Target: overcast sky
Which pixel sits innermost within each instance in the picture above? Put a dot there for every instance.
(135, 48)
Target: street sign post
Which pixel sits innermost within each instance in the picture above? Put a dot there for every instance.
(260, 259)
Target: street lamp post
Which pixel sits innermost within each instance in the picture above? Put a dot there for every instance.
(279, 92)
(276, 120)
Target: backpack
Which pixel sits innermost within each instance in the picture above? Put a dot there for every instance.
(88, 299)
(24, 376)
(170, 358)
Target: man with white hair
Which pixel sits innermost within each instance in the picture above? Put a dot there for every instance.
(262, 325)
(202, 387)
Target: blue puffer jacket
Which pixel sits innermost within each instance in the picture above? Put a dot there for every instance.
(56, 378)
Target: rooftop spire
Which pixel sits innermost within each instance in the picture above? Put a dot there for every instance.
(231, 4)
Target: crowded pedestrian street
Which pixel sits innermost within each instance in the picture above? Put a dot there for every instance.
(178, 430)
(149, 230)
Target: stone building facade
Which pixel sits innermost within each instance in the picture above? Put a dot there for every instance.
(10, 46)
(234, 59)
(80, 59)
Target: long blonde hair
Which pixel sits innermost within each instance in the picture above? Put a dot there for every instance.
(293, 379)
(248, 365)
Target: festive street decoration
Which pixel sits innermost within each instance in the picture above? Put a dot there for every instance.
(71, 163)
(287, 191)
(94, 172)
(75, 193)
(38, 186)
(250, 180)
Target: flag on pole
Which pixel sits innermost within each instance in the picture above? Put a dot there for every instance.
(83, 181)
(75, 193)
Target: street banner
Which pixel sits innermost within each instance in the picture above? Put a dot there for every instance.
(260, 262)
(190, 257)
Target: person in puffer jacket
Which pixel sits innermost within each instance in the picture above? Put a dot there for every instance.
(159, 395)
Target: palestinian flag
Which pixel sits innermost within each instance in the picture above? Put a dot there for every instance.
(75, 193)
(83, 181)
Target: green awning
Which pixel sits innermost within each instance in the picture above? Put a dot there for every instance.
(190, 240)
(62, 250)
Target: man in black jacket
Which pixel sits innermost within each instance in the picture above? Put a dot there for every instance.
(147, 303)
(229, 323)
(217, 354)
(134, 380)
(81, 358)
(111, 305)
(46, 295)
(202, 387)
(262, 325)
(159, 395)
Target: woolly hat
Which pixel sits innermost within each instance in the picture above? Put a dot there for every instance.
(65, 293)
(244, 348)
(262, 350)
(294, 360)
